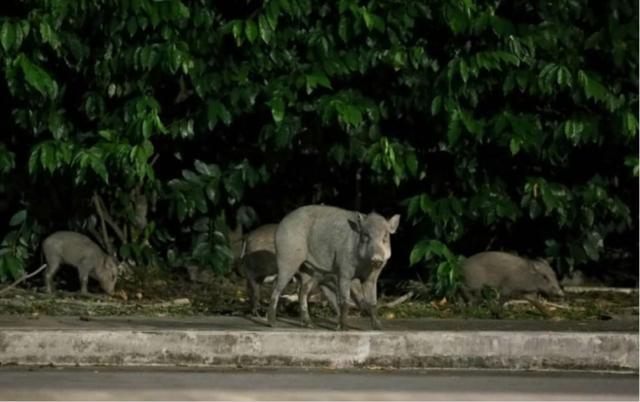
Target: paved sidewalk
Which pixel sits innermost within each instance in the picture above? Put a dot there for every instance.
(239, 341)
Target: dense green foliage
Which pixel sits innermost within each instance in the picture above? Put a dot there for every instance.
(487, 124)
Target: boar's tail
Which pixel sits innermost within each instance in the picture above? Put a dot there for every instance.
(243, 250)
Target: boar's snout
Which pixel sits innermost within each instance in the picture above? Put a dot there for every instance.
(553, 291)
(109, 288)
(377, 261)
(559, 292)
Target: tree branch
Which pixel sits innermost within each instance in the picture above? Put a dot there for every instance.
(24, 278)
(98, 237)
(105, 235)
(105, 215)
(399, 300)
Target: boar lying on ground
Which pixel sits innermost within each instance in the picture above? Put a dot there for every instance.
(79, 251)
(511, 275)
(258, 261)
(332, 241)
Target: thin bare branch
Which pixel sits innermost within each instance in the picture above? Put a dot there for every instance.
(105, 214)
(24, 278)
(399, 300)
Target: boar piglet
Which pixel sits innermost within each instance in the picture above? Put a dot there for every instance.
(511, 275)
(332, 241)
(87, 257)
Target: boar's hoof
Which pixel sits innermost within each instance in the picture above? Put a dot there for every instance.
(342, 327)
(271, 318)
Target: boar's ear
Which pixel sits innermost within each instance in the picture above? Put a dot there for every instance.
(356, 224)
(540, 263)
(393, 223)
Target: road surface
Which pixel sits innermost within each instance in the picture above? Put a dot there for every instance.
(18, 383)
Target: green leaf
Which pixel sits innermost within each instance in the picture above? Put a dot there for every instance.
(464, 70)
(418, 252)
(343, 29)
(631, 124)
(98, 166)
(147, 126)
(18, 218)
(436, 105)
(251, 30)
(211, 190)
(207, 170)
(317, 78)
(7, 35)
(514, 146)
(350, 114)
(373, 21)
(412, 163)
(455, 128)
(191, 176)
(216, 110)
(237, 31)
(14, 265)
(634, 163)
(265, 30)
(37, 77)
(201, 225)
(277, 109)
(593, 244)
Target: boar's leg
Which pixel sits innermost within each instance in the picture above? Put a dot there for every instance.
(289, 262)
(358, 294)
(84, 281)
(53, 264)
(328, 289)
(86, 267)
(369, 288)
(307, 284)
(344, 290)
(253, 289)
(468, 295)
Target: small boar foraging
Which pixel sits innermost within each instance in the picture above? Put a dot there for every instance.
(511, 275)
(337, 242)
(258, 261)
(78, 250)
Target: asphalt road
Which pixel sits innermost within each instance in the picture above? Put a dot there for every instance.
(175, 384)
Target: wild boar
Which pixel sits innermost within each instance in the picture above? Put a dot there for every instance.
(332, 241)
(258, 261)
(81, 252)
(511, 275)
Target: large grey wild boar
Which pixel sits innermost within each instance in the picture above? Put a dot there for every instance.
(336, 242)
(81, 252)
(511, 275)
(257, 261)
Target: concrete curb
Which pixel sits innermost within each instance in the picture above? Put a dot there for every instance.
(520, 350)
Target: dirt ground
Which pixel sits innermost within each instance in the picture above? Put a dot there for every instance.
(156, 294)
